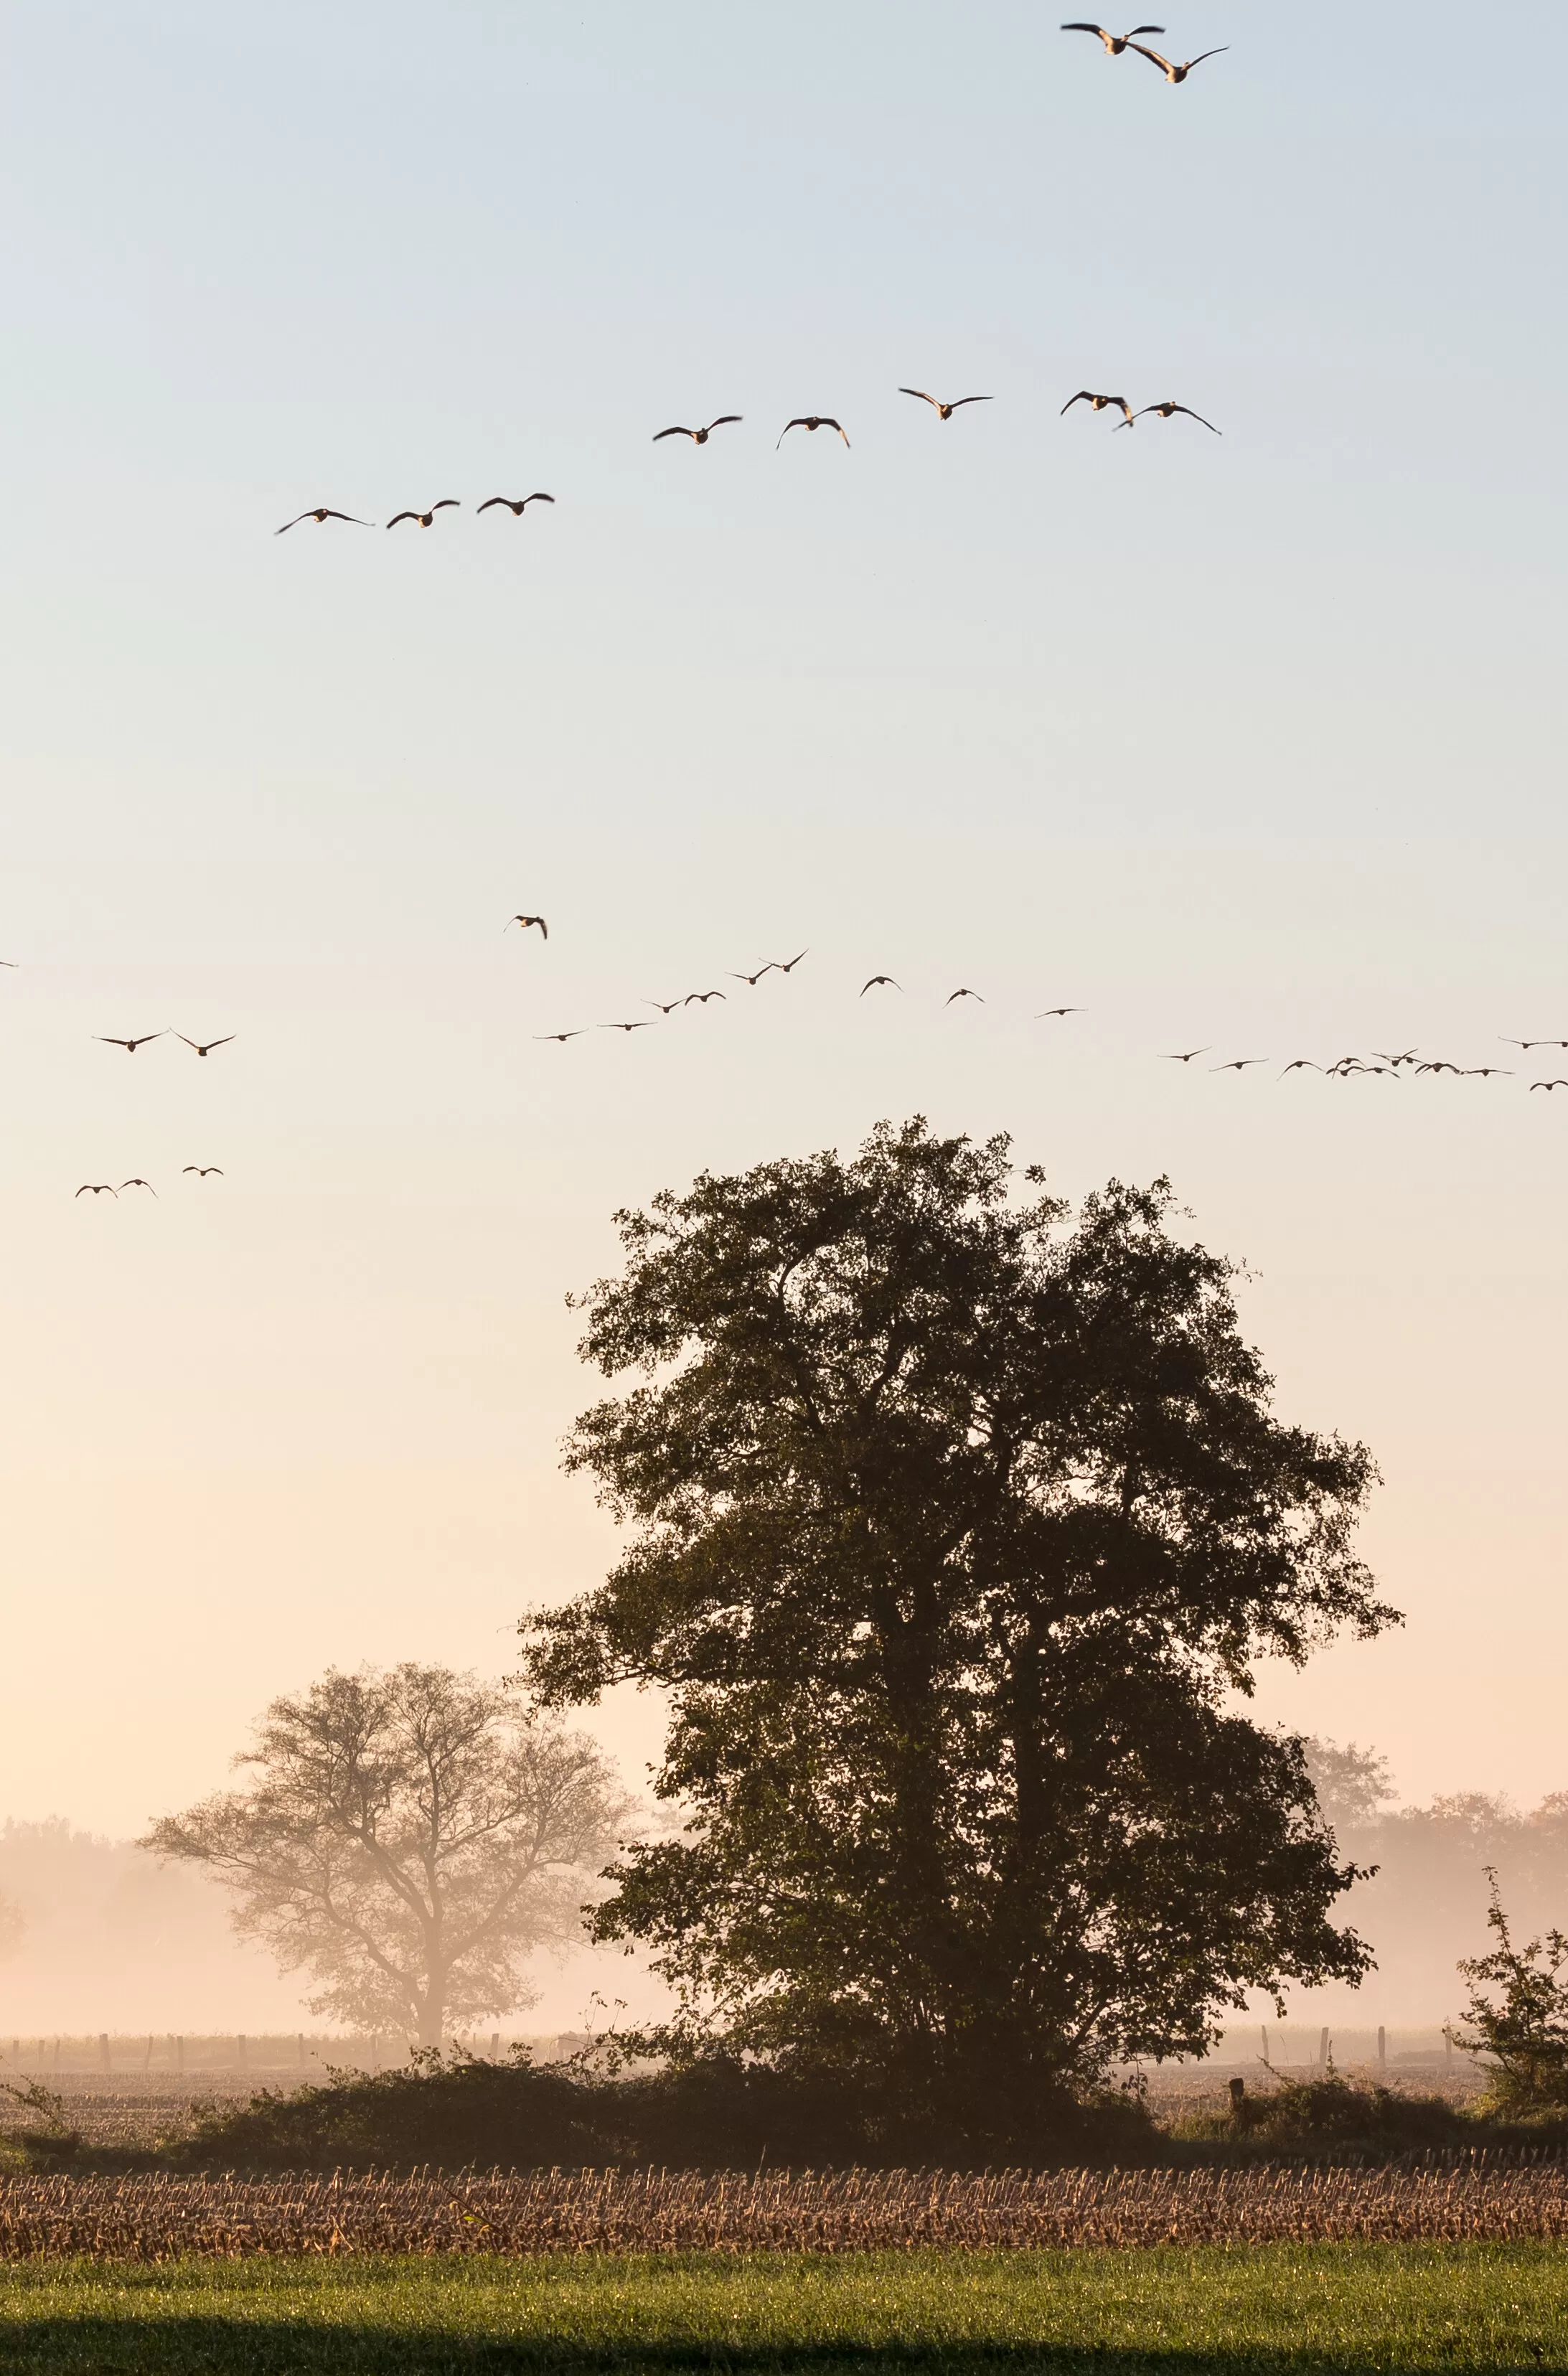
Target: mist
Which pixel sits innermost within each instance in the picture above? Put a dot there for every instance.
(98, 1935)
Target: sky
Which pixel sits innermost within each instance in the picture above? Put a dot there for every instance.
(1250, 741)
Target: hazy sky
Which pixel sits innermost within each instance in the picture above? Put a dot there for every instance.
(1253, 740)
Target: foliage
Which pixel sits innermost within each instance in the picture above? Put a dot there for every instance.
(1334, 2115)
(410, 1838)
(1525, 2035)
(957, 1529)
(716, 2112)
(46, 2140)
(1354, 1786)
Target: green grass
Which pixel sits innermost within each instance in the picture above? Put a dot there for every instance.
(1275, 2307)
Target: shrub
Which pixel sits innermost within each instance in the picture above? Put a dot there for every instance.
(1524, 2037)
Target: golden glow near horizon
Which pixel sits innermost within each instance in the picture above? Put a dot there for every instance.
(1247, 742)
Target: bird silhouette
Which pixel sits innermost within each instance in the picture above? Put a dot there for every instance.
(447, 504)
(1302, 1064)
(751, 980)
(810, 421)
(1114, 42)
(1175, 73)
(319, 513)
(1439, 1064)
(780, 966)
(516, 505)
(1407, 1057)
(1185, 1058)
(1485, 1072)
(202, 1046)
(96, 1188)
(1529, 1044)
(882, 980)
(132, 1045)
(701, 997)
(1238, 1063)
(699, 436)
(139, 1182)
(526, 921)
(1165, 411)
(664, 1009)
(945, 411)
(1098, 403)
(1548, 1085)
(10, 964)
(962, 993)
(646, 1024)
(203, 1170)
(561, 1036)
(1046, 1013)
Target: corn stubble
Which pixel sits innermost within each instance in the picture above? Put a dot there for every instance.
(158, 2218)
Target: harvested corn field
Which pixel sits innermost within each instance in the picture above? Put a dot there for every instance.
(159, 2218)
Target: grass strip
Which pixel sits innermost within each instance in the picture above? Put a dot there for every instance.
(1208, 2310)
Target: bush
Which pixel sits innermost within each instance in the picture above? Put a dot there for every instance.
(713, 2113)
(1307, 2114)
(1526, 2038)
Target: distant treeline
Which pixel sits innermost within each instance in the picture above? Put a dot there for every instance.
(1426, 1906)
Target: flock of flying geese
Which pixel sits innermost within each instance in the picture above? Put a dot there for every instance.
(943, 408)
(142, 1039)
(1391, 1063)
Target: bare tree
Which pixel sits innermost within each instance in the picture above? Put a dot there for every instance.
(410, 1839)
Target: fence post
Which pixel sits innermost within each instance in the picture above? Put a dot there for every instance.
(301, 2043)
(103, 2047)
(1382, 2051)
(1323, 2051)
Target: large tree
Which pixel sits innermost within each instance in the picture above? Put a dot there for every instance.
(958, 1527)
(410, 1840)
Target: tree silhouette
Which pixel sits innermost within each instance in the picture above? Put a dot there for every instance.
(957, 1530)
(410, 1840)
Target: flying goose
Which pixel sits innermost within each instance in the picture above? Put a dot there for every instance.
(699, 436)
(322, 512)
(1175, 73)
(810, 421)
(945, 411)
(1098, 403)
(516, 508)
(1115, 43)
(1165, 411)
(447, 504)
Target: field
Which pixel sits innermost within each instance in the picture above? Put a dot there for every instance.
(1202, 2313)
(162, 2217)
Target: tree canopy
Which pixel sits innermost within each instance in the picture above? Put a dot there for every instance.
(957, 1525)
(410, 1839)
